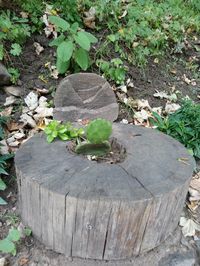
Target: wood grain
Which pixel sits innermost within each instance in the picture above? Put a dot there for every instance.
(98, 210)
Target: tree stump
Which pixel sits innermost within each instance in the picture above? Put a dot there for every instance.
(85, 96)
(104, 211)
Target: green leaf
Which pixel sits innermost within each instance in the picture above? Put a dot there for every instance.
(65, 50)
(6, 246)
(74, 27)
(1, 52)
(2, 185)
(81, 57)
(91, 37)
(27, 231)
(59, 22)
(111, 37)
(50, 138)
(16, 49)
(14, 235)
(63, 137)
(2, 171)
(2, 201)
(57, 41)
(82, 40)
(62, 66)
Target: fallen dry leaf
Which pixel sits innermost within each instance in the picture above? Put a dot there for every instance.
(43, 112)
(165, 95)
(142, 115)
(171, 107)
(10, 100)
(13, 126)
(124, 14)
(24, 14)
(13, 90)
(173, 71)
(31, 100)
(157, 110)
(124, 121)
(194, 195)
(28, 120)
(23, 261)
(41, 91)
(123, 88)
(7, 111)
(89, 19)
(4, 147)
(195, 183)
(189, 226)
(38, 48)
(142, 104)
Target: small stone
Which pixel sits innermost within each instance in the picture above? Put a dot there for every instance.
(4, 76)
(10, 100)
(15, 91)
(85, 96)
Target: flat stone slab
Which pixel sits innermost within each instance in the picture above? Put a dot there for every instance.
(85, 96)
(104, 211)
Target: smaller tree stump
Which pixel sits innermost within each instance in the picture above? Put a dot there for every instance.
(85, 96)
(104, 211)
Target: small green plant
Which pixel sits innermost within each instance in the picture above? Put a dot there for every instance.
(183, 125)
(113, 70)
(73, 45)
(97, 135)
(68, 9)
(62, 131)
(3, 159)
(138, 29)
(15, 74)
(34, 10)
(8, 244)
(13, 29)
(98, 131)
(92, 141)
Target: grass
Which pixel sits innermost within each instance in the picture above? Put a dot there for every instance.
(183, 125)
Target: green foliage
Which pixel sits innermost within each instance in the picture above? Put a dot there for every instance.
(95, 139)
(73, 45)
(15, 74)
(13, 29)
(68, 9)
(62, 131)
(113, 70)
(3, 159)
(8, 244)
(98, 131)
(35, 10)
(140, 29)
(16, 49)
(97, 134)
(183, 125)
(93, 149)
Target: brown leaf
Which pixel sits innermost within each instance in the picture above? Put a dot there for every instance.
(89, 19)
(7, 111)
(12, 126)
(23, 261)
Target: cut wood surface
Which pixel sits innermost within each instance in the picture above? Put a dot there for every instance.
(104, 211)
(85, 96)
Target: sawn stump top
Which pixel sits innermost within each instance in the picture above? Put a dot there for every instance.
(155, 164)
